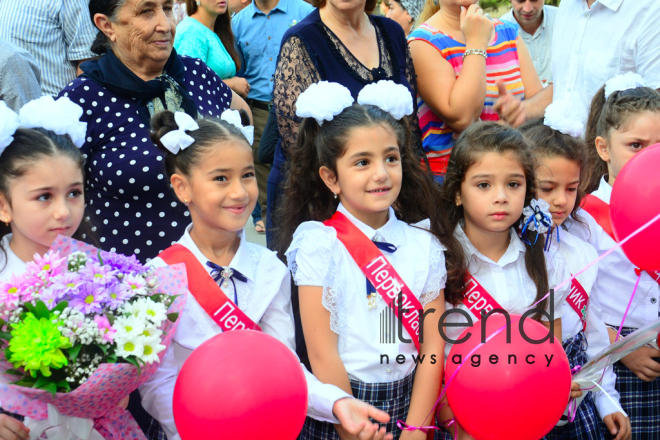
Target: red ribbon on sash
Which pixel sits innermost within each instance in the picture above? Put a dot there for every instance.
(600, 211)
(208, 294)
(379, 272)
(476, 298)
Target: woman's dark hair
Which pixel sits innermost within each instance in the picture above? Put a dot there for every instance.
(306, 197)
(478, 139)
(369, 6)
(29, 146)
(210, 132)
(222, 29)
(109, 8)
(608, 114)
(545, 141)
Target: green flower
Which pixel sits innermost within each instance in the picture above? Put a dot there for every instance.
(37, 344)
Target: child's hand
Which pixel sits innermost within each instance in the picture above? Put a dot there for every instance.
(575, 390)
(618, 425)
(12, 429)
(354, 414)
(640, 363)
(123, 403)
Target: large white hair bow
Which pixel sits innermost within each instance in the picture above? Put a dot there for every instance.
(234, 118)
(565, 117)
(177, 140)
(623, 82)
(388, 96)
(8, 126)
(59, 116)
(323, 101)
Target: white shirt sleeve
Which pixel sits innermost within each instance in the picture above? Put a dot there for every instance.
(277, 321)
(647, 49)
(157, 393)
(598, 339)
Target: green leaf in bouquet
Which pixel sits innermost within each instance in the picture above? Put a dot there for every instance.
(2, 323)
(133, 361)
(74, 352)
(27, 382)
(111, 359)
(172, 317)
(98, 253)
(63, 386)
(30, 308)
(111, 318)
(60, 307)
(104, 348)
(41, 311)
(5, 335)
(13, 372)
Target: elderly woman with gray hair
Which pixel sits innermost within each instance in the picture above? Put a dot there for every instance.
(138, 74)
(405, 12)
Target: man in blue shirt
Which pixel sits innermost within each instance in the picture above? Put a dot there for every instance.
(258, 30)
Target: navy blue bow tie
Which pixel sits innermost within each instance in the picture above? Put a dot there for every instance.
(387, 247)
(226, 274)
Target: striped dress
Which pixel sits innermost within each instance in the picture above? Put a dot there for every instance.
(502, 65)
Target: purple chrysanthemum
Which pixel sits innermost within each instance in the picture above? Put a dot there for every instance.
(89, 298)
(97, 274)
(121, 263)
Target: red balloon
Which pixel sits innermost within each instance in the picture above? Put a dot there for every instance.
(508, 400)
(636, 200)
(240, 385)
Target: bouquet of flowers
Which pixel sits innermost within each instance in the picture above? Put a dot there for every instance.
(79, 331)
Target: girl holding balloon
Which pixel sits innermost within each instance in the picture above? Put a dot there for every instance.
(489, 188)
(624, 119)
(233, 284)
(560, 159)
(353, 194)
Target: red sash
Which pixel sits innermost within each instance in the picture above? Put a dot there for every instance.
(579, 301)
(208, 294)
(379, 272)
(600, 211)
(476, 298)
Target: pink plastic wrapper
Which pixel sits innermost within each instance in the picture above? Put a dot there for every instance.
(98, 397)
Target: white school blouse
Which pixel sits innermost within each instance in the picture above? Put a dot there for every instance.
(507, 281)
(578, 254)
(10, 264)
(317, 258)
(616, 275)
(265, 298)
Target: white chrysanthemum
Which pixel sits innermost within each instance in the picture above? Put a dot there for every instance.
(626, 81)
(388, 96)
(323, 101)
(151, 331)
(153, 311)
(8, 125)
(150, 349)
(565, 117)
(129, 326)
(129, 345)
(61, 116)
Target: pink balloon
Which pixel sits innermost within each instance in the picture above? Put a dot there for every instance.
(636, 200)
(507, 400)
(241, 384)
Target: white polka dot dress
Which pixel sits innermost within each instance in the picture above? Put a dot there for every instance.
(128, 195)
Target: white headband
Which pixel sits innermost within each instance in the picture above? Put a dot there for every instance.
(324, 100)
(8, 126)
(177, 140)
(61, 117)
(234, 118)
(620, 83)
(565, 117)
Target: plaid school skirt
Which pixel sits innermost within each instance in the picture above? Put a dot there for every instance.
(587, 424)
(16, 416)
(391, 397)
(641, 400)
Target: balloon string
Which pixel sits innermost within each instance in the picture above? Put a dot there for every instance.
(605, 254)
(625, 315)
(401, 424)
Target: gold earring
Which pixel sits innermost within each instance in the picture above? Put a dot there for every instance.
(6, 222)
(186, 202)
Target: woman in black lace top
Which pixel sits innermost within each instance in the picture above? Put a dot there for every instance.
(338, 42)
